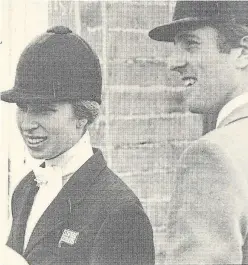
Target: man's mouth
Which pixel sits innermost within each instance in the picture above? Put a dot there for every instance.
(35, 141)
(189, 81)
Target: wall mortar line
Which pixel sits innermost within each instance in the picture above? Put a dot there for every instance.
(105, 81)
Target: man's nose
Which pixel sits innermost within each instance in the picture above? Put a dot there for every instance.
(177, 61)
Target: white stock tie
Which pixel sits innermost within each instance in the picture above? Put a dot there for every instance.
(48, 176)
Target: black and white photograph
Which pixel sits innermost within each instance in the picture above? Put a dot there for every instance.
(124, 132)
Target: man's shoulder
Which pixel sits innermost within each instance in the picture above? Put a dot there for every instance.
(232, 136)
(225, 146)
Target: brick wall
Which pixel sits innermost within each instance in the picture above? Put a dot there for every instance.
(144, 126)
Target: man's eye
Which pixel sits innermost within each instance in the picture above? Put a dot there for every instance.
(192, 43)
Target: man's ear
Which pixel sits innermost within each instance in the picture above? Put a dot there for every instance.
(81, 123)
(242, 56)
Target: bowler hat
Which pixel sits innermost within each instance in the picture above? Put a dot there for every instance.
(57, 66)
(189, 14)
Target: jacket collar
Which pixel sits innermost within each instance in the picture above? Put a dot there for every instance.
(237, 114)
(18, 209)
(74, 191)
(231, 106)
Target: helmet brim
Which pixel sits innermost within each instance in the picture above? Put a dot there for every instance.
(15, 95)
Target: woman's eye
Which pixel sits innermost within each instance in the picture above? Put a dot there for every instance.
(42, 109)
(38, 109)
(22, 107)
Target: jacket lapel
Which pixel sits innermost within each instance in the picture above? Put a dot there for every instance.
(236, 115)
(73, 191)
(16, 236)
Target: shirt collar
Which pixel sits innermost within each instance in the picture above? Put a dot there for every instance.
(74, 158)
(230, 106)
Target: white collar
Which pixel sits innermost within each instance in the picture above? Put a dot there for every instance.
(230, 106)
(70, 161)
(75, 157)
(61, 168)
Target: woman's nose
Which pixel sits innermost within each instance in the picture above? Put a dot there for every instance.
(28, 122)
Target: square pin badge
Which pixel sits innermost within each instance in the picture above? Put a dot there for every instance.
(69, 237)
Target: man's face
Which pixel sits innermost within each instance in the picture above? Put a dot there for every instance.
(48, 129)
(207, 74)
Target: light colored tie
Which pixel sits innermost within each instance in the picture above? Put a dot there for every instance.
(50, 175)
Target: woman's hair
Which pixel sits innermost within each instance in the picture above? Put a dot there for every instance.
(86, 109)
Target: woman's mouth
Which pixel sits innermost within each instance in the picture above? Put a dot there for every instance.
(35, 141)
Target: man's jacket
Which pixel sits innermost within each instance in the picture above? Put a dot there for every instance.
(208, 218)
(94, 220)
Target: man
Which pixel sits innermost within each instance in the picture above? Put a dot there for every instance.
(208, 217)
(72, 209)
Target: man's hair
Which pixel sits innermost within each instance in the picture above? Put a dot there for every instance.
(86, 109)
(230, 35)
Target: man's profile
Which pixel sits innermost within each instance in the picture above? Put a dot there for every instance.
(208, 217)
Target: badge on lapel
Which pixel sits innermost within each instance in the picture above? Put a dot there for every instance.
(69, 237)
